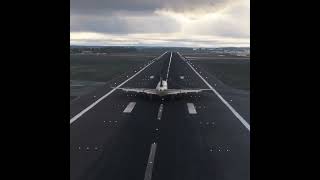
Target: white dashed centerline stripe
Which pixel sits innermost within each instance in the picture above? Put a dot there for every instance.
(160, 112)
(191, 108)
(129, 107)
(106, 95)
(169, 66)
(148, 173)
(242, 120)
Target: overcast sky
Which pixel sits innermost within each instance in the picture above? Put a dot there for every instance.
(190, 23)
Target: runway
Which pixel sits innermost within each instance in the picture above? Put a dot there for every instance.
(115, 135)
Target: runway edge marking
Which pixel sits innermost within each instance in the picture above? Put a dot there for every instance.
(242, 120)
(106, 95)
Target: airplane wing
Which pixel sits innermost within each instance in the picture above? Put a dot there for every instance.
(185, 91)
(139, 90)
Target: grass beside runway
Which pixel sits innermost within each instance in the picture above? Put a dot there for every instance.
(91, 70)
(102, 68)
(234, 73)
(72, 97)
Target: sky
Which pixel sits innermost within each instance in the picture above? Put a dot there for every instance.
(178, 23)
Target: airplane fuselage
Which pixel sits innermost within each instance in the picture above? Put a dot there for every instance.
(162, 88)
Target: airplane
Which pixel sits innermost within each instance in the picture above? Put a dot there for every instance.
(161, 90)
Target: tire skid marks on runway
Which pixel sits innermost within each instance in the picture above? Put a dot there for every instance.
(110, 92)
(241, 119)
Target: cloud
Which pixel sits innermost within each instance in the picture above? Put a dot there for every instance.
(160, 22)
(123, 23)
(98, 6)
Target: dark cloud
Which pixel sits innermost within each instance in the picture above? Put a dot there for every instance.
(102, 6)
(123, 24)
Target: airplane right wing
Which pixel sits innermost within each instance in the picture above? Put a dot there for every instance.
(139, 90)
(185, 91)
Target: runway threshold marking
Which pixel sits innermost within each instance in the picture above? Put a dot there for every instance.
(191, 108)
(106, 95)
(169, 66)
(129, 107)
(242, 120)
(148, 173)
(160, 112)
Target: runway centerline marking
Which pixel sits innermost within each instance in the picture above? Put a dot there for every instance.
(191, 108)
(148, 173)
(242, 120)
(106, 95)
(160, 112)
(129, 107)
(169, 66)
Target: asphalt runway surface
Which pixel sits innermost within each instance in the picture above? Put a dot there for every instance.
(106, 143)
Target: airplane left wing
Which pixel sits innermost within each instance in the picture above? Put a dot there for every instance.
(139, 90)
